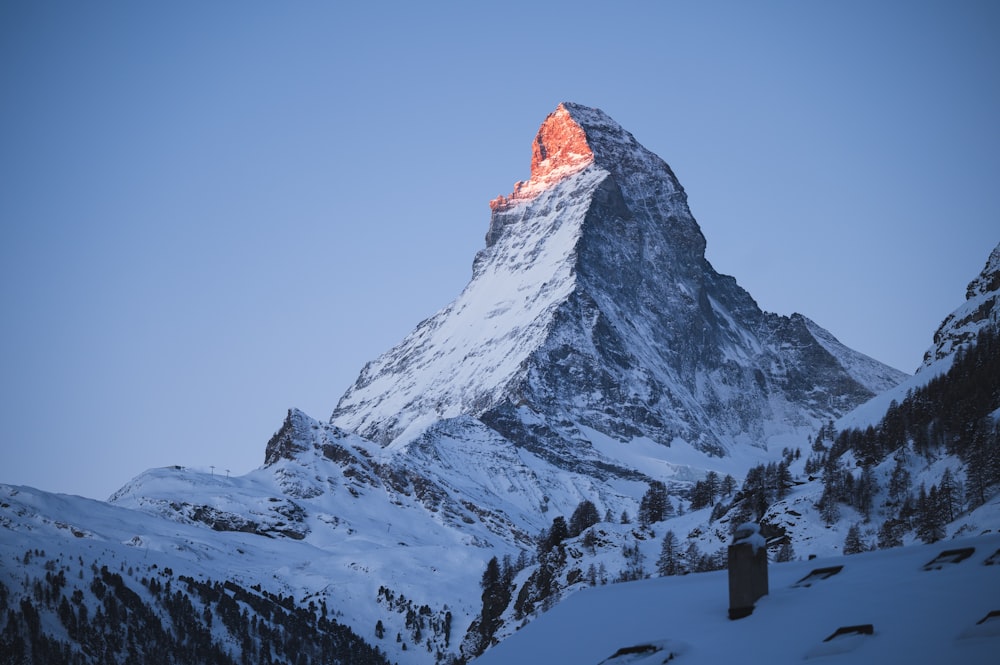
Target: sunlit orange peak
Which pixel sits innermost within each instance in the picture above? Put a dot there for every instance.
(559, 150)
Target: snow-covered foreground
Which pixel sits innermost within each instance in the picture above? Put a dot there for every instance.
(917, 615)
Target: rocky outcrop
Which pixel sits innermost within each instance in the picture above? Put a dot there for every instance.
(981, 308)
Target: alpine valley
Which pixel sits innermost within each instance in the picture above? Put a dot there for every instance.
(598, 405)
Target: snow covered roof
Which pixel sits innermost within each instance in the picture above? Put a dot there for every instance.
(921, 604)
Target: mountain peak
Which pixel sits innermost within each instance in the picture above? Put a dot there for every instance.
(560, 149)
(592, 307)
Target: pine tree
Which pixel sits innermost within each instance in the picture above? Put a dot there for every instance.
(785, 553)
(700, 495)
(669, 561)
(853, 543)
(982, 459)
(948, 496)
(668, 509)
(977, 474)
(583, 517)
(890, 534)
(712, 486)
(783, 480)
(691, 560)
(554, 536)
(899, 481)
(865, 491)
(829, 508)
(728, 486)
(496, 597)
(756, 491)
(929, 524)
(652, 507)
(507, 571)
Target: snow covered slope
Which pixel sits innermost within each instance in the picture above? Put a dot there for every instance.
(945, 614)
(958, 331)
(327, 519)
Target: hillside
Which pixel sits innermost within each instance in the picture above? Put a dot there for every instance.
(949, 614)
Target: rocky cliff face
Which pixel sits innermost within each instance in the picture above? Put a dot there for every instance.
(981, 308)
(592, 307)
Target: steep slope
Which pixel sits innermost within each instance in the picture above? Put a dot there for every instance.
(957, 331)
(593, 306)
(981, 308)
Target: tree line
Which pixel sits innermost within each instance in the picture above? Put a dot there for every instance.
(955, 414)
(112, 616)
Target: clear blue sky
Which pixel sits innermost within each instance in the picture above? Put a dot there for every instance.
(213, 211)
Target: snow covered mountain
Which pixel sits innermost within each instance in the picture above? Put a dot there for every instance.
(593, 307)
(593, 350)
(594, 353)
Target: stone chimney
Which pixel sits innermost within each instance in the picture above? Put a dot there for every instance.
(747, 570)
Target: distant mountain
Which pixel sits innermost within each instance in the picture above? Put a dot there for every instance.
(595, 386)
